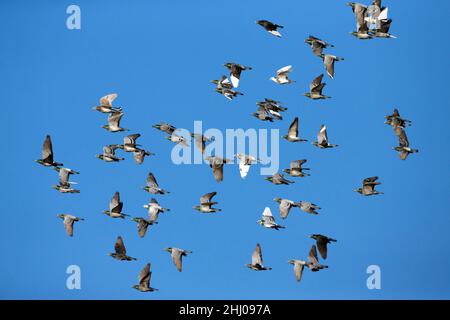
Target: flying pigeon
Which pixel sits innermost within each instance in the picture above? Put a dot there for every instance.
(235, 72)
(368, 187)
(115, 207)
(296, 170)
(315, 89)
(152, 185)
(106, 104)
(268, 221)
(322, 139)
(282, 76)
(47, 154)
(206, 203)
(144, 280)
(69, 220)
(322, 242)
(177, 255)
(270, 27)
(120, 251)
(257, 260)
(292, 135)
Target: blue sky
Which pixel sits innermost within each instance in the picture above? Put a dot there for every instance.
(159, 56)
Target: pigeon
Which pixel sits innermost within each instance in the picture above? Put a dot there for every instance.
(403, 147)
(115, 207)
(299, 265)
(292, 135)
(270, 27)
(278, 178)
(308, 207)
(64, 185)
(106, 104)
(152, 185)
(317, 45)
(69, 220)
(362, 32)
(285, 206)
(140, 154)
(328, 62)
(230, 94)
(322, 242)
(394, 120)
(360, 11)
(200, 141)
(245, 161)
(313, 260)
(47, 154)
(154, 209)
(272, 107)
(225, 88)
(206, 203)
(268, 221)
(142, 225)
(263, 114)
(368, 187)
(129, 143)
(383, 30)
(282, 76)
(114, 122)
(109, 154)
(144, 280)
(296, 170)
(175, 138)
(322, 139)
(177, 255)
(217, 163)
(120, 251)
(235, 72)
(376, 13)
(165, 127)
(315, 89)
(257, 260)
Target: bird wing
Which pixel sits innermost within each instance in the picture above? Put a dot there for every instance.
(297, 164)
(115, 205)
(317, 48)
(218, 171)
(285, 207)
(322, 137)
(151, 180)
(293, 128)
(257, 256)
(403, 139)
(119, 247)
(328, 62)
(298, 270)
(114, 119)
(68, 224)
(322, 246)
(142, 227)
(144, 276)
(312, 257)
(107, 100)
(139, 156)
(176, 258)
(385, 25)
(284, 71)
(315, 83)
(47, 149)
(243, 169)
(206, 198)
(131, 139)
(63, 176)
(370, 180)
(267, 212)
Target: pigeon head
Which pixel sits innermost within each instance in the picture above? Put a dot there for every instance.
(359, 190)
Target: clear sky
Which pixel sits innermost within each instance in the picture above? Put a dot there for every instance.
(159, 57)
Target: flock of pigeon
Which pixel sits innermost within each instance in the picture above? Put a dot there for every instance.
(371, 22)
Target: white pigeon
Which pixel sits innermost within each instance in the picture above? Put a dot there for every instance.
(282, 75)
(245, 161)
